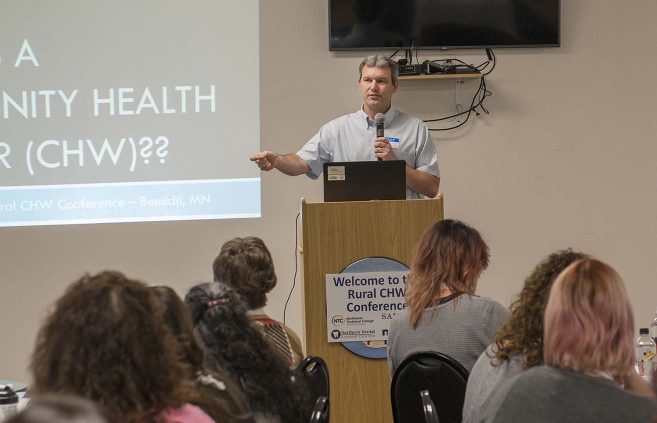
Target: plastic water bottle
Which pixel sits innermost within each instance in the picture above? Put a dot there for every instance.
(646, 354)
(8, 402)
(653, 328)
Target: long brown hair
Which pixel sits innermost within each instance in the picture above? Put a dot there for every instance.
(215, 392)
(106, 341)
(450, 255)
(522, 333)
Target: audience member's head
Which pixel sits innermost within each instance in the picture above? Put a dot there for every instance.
(522, 334)
(589, 322)
(218, 396)
(106, 341)
(238, 348)
(245, 265)
(450, 256)
(51, 408)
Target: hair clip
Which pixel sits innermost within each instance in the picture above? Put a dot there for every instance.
(218, 301)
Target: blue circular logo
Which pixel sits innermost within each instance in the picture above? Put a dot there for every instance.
(371, 349)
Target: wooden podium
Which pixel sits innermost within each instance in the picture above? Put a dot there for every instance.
(334, 236)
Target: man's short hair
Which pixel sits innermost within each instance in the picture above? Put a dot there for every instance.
(246, 265)
(380, 61)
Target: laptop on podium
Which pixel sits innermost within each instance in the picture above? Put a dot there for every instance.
(362, 181)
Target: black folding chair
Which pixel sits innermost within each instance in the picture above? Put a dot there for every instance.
(314, 371)
(444, 380)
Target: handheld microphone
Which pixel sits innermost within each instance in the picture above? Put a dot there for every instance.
(378, 119)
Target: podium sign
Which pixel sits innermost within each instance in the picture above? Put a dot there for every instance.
(359, 306)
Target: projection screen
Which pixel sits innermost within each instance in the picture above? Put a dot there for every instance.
(126, 111)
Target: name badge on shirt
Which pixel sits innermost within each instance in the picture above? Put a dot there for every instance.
(394, 142)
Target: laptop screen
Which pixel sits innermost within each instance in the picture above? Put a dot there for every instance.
(362, 181)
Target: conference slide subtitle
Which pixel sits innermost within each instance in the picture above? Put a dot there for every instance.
(139, 150)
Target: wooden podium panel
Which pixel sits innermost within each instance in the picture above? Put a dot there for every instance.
(334, 236)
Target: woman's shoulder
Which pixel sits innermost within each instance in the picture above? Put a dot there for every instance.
(401, 318)
(547, 376)
(478, 299)
(187, 413)
(488, 364)
(483, 303)
(400, 323)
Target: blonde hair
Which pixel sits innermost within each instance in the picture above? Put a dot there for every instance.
(449, 255)
(589, 322)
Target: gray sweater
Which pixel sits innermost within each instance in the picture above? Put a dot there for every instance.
(460, 328)
(486, 376)
(545, 394)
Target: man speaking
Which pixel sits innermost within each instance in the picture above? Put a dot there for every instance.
(353, 137)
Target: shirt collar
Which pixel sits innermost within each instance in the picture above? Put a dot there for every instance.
(388, 117)
(256, 312)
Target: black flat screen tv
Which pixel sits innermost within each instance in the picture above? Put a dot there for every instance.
(442, 24)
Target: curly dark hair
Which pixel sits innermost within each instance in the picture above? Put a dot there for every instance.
(522, 333)
(245, 264)
(235, 346)
(216, 393)
(106, 341)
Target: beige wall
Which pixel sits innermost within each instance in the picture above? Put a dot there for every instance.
(567, 157)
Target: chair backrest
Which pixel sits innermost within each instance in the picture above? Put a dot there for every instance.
(443, 377)
(314, 371)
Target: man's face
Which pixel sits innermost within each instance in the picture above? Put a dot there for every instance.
(376, 89)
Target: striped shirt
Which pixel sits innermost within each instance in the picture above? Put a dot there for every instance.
(281, 338)
(461, 328)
